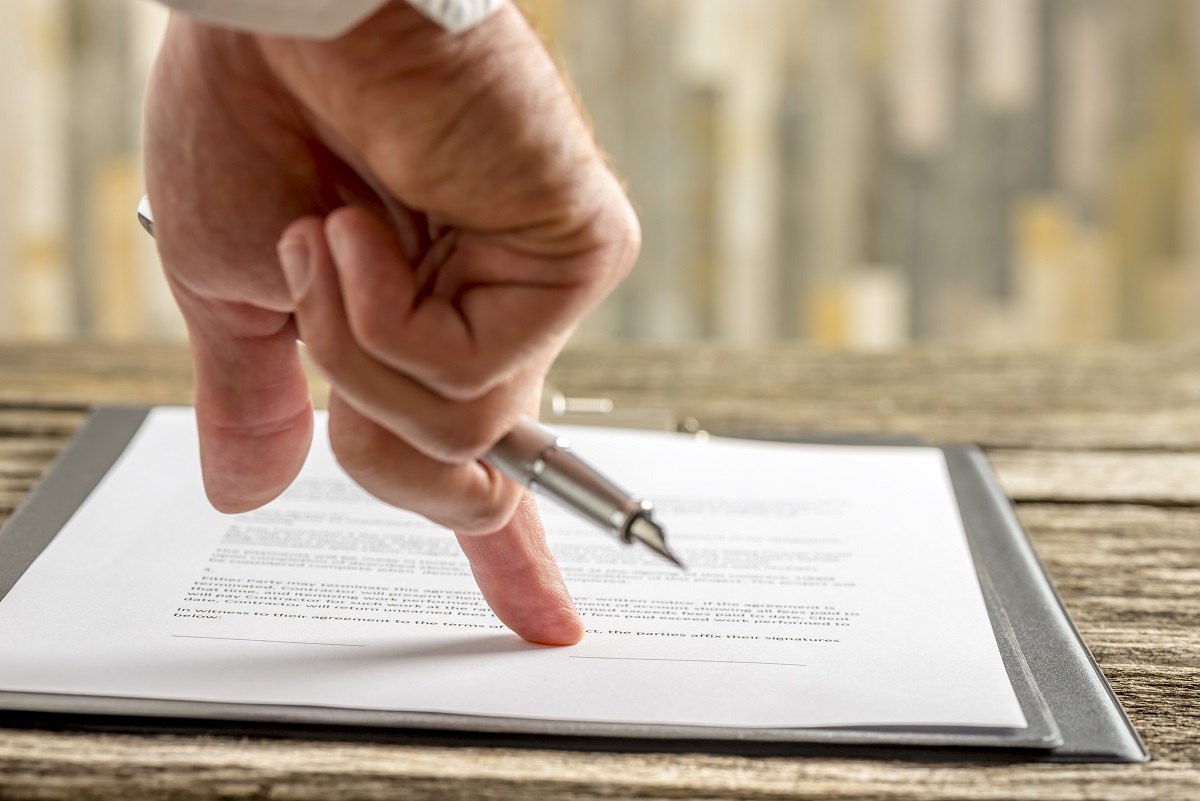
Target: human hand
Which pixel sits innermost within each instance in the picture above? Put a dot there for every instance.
(484, 225)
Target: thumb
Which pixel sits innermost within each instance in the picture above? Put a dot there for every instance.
(253, 408)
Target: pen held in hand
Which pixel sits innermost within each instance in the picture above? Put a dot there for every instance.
(536, 457)
(539, 459)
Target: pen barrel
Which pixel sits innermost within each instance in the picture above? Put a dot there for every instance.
(536, 457)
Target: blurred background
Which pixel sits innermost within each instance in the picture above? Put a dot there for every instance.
(856, 173)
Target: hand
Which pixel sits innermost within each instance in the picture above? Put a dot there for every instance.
(446, 221)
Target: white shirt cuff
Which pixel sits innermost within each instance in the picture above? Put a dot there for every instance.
(457, 15)
(326, 19)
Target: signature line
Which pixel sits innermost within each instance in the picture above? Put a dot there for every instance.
(285, 642)
(716, 661)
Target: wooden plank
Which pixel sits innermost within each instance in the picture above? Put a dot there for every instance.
(1092, 476)
(49, 765)
(83, 375)
(11, 497)
(1118, 398)
(1128, 574)
(1123, 398)
(1120, 647)
(41, 423)
(30, 440)
(28, 453)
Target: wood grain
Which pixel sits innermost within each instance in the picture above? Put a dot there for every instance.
(1120, 398)
(1100, 451)
(1148, 477)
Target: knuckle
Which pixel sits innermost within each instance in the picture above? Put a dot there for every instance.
(328, 351)
(467, 436)
(491, 512)
(620, 241)
(629, 245)
(375, 326)
(461, 380)
(358, 450)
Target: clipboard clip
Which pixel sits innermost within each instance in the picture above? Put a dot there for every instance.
(558, 407)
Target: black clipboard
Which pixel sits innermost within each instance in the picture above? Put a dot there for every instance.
(1071, 711)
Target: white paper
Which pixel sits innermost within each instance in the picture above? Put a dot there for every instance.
(826, 586)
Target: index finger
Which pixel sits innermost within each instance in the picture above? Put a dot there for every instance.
(521, 581)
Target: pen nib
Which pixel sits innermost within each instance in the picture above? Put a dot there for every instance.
(649, 533)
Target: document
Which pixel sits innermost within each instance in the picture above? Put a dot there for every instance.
(826, 586)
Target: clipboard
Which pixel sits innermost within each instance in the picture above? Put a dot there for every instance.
(1071, 711)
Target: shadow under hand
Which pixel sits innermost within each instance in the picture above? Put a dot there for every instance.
(285, 658)
(482, 645)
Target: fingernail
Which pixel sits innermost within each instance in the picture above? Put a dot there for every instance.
(295, 256)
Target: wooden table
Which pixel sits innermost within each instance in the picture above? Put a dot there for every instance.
(1100, 450)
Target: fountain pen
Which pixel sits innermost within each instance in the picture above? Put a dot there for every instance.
(541, 460)
(537, 458)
